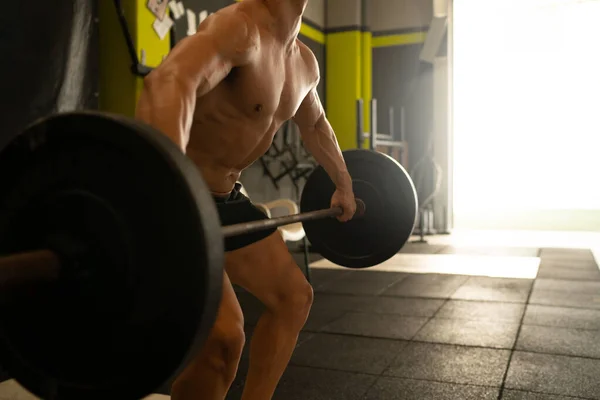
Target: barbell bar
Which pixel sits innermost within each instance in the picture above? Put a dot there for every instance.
(45, 265)
(114, 251)
(34, 266)
(261, 225)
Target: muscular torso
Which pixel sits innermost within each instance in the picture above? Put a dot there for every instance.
(235, 122)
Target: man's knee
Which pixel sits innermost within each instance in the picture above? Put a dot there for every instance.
(219, 358)
(225, 345)
(220, 353)
(296, 300)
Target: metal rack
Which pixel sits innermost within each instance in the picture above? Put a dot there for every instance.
(377, 140)
(288, 157)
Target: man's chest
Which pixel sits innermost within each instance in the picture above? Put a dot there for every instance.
(275, 84)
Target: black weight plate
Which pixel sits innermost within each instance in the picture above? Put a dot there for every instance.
(143, 299)
(391, 209)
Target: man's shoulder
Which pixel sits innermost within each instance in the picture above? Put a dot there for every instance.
(236, 14)
(233, 25)
(309, 57)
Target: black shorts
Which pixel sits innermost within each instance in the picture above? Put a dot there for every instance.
(237, 208)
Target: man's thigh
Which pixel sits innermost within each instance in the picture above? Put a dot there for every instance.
(267, 270)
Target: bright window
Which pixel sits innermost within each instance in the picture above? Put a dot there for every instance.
(526, 107)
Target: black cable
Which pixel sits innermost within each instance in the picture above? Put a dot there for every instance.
(136, 67)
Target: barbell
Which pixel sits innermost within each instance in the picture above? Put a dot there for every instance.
(113, 251)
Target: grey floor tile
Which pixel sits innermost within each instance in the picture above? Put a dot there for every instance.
(353, 287)
(327, 308)
(409, 389)
(388, 326)
(520, 395)
(347, 353)
(560, 375)
(565, 299)
(499, 335)
(422, 248)
(309, 383)
(407, 306)
(304, 337)
(577, 264)
(298, 255)
(362, 283)
(553, 340)
(482, 311)
(319, 317)
(471, 292)
(249, 330)
(453, 364)
(569, 273)
(427, 285)
(344, 302)
(494, 289)
(368, 275)
(566, 253)
(500, 283)
(569, 286)
(492, 251)
(321, 276)
(584, 262)
(576, 318)
(300, 383)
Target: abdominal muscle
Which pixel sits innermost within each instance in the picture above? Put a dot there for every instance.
(223, 146)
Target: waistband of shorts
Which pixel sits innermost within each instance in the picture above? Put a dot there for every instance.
(224, 198)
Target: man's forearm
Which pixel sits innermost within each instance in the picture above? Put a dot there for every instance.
(321, 142)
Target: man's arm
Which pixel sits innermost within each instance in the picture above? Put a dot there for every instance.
(194, 67)
(319, 139)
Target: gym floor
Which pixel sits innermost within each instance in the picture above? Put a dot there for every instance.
(446, 321)
(530, 331)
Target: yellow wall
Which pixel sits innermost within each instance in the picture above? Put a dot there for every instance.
(119, 87)
(147, 39)
(367, 79)
(117, 83)
(343, 84)
(399, 39)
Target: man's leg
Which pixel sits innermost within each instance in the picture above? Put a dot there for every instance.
(267, 270)
(212, 371)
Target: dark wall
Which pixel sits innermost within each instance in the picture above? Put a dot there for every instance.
(49, 63)
(400, 79)
(49, 52)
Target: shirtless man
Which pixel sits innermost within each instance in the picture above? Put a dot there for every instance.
(221, 95)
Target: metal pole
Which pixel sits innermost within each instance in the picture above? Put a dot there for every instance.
(360, 136)
(391, 116)
(402, 124)
(373, 141)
